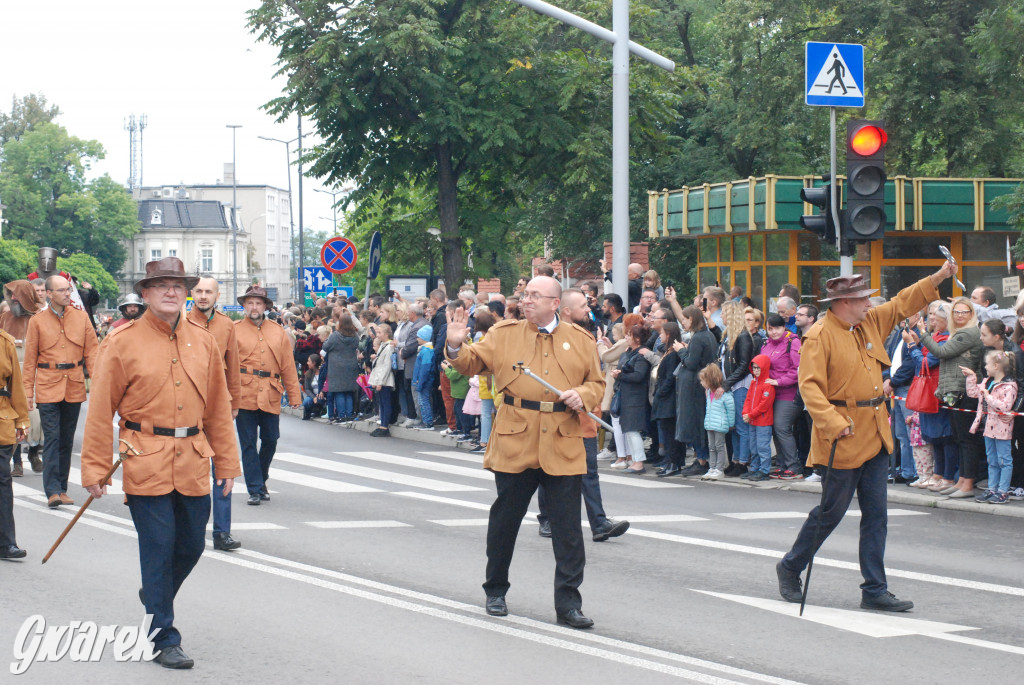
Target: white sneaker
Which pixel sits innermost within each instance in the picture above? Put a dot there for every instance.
(713, 474)
(409, 423)
(813, 478)
(606, 455)
(447, 431)
(1017, 494)
(620, 464)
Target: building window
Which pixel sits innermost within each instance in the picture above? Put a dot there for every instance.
(271, 232)
(206, 260)
(172, 253)
(142, 260)
(285, 237)
(155, 255)
(271, 260)
(271, 204)
(156, 218)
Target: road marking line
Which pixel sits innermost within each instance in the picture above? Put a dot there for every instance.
(258, 525)
(456, 523)
(373, 474)
(975, 642)
(497, 626)
(834, 563)
(318, 483)
(660, 518)
(20, 490)
(758, 515)
(358, 524)
(409, 462)
(445, 500)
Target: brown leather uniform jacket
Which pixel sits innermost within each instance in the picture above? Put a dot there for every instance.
(527, 438)
(223, 330)
(54, 340)
(844, 364)
(13, 407)
(151, 375)
(266, 348)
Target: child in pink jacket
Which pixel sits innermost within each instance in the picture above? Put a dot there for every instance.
(997, 393)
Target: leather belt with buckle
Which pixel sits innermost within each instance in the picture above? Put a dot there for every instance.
(185, 432)
(47, 365)
(547, 407)
(260, 374)
(873, 402)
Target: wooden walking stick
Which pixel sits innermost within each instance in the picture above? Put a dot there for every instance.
(817, 528)
(125, 450)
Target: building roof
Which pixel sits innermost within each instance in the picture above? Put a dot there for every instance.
(192, 214)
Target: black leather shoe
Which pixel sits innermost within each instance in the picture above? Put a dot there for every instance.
(789, 584)
(12, 552)
(225, 542)
(545, 529)
(574, 618)
(253, 501)
(264, 495)
(173, 657)
(885, 602)
(669, 471)
(35, 460)
(610, 529)
(496, 606)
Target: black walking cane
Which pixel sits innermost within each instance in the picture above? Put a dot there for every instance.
(817, 528)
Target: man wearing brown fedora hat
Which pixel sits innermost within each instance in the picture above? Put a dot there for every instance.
(841, 364)
(267, 370)
(164, 377)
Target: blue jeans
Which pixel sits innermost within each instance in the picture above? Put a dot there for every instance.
(342, 403)
(460, 417)
(1000, 463)
(868, 482)
(384, 404)
(256, 463)
(172, 537)
(486, 420)
(899, 425)
(221, 506)
(59, 421)
(760, 448)
(741, 443)
(423, 405)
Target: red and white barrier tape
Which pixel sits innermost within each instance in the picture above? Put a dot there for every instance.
(969, 411)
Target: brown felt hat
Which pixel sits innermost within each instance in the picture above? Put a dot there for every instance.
(846, 287)
(255, 291)
(168, 267)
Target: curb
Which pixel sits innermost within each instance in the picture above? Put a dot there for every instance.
(894, 493)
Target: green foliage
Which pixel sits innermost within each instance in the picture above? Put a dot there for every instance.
(50, 201)
(26, 113)
(17, 260)
(87, 268)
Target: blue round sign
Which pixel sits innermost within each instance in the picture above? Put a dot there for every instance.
(376, 256)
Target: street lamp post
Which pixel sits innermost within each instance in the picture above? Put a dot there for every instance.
(436, 232)
(334, 200)
(291, 221)
(234, 210)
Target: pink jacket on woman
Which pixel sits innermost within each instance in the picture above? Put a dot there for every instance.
(1000, 398)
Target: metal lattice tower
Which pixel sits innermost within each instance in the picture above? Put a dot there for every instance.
(135, 126)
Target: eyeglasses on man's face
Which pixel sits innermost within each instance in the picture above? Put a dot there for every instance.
(537, 296)
(60, 290)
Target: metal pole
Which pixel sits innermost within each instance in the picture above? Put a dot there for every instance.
(291, 222)
(620, 149)
(302, 244)
(845, 261)
(234, 211)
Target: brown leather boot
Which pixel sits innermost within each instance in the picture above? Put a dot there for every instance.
(17, 470)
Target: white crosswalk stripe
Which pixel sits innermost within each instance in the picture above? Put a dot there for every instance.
(358, 524)
(374, 474)
(316, 482)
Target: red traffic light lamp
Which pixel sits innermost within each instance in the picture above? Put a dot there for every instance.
(867, 140)
(865, 217)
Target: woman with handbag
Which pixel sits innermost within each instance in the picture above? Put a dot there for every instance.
(922, 398)
(963, 348)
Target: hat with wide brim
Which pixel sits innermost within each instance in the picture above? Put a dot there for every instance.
(255, 291)
(846, 288)
(168, 267)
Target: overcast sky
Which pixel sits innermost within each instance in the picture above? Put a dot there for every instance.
(191, 67)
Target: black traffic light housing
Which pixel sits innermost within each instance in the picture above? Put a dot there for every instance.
(864, 219)
(820, 223)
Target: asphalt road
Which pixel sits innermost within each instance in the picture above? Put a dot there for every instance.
(366, 566)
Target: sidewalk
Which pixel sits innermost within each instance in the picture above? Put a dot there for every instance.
(897, 494)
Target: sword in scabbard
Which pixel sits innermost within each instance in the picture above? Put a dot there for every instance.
(521, 368)
(125, 450)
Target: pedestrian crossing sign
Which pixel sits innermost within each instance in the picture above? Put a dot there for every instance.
(834, 74)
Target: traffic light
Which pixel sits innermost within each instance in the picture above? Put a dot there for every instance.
(865, 181)
(820, 223)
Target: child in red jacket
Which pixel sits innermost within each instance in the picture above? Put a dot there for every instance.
(757, 411)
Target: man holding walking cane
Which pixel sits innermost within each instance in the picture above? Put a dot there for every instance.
(537, 438)
(841, 364)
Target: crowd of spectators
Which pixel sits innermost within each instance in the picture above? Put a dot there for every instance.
(715, 378)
